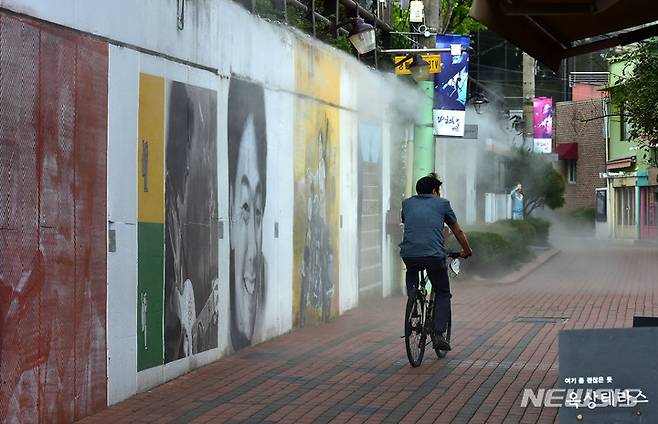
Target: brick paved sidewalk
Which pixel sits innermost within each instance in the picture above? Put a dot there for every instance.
(354, 369)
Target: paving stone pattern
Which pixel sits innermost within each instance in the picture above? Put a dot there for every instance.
(354, 369)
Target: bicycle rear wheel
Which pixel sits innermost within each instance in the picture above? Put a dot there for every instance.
(414, 334)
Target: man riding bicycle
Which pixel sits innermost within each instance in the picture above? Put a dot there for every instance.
(422, 247)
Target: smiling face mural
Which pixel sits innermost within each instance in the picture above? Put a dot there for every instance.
(247, 151)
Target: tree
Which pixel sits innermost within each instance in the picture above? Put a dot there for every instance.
(542, 185)
(635, 93)
(454, 17)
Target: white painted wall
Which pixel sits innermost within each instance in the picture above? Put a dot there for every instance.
(149, 24)
(122, 216)
(349, 191)
(277, 316)
(387, 245)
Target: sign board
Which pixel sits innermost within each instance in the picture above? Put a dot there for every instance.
(433, 59)
(450, 86)
(640, 321)
(416, 11)
(542, 124)
(542, 145)
(609, 375)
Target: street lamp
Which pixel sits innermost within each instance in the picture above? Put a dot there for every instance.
(478, 100)
(361, 35)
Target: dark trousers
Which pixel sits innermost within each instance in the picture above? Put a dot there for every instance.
(438, 276)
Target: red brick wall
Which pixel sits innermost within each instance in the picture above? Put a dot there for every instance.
(570, 128)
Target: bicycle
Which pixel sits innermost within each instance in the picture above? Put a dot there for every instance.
(419, 316)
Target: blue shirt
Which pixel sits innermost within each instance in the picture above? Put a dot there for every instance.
(423, 217)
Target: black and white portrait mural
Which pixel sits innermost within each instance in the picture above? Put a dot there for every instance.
(191, 241)
(247, 163)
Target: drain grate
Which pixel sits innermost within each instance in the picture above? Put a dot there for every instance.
(554, 320)
(262, 356)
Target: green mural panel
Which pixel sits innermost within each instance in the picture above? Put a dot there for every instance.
(150, 287)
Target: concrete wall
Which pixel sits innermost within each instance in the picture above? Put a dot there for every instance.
(232, 180)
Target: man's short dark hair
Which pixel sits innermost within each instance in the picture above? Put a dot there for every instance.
(428, 184)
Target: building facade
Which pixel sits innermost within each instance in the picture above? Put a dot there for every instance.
(580, 145)
(632, 186)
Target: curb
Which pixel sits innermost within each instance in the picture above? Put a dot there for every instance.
(525, 270)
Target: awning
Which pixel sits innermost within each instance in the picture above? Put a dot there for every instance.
(620, 163)
(551, 30)
(567, 151)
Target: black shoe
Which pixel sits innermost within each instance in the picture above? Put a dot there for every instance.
(441, 343)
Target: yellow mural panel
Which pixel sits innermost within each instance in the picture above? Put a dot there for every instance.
(316, 174)
(317, 73)
(150, 176)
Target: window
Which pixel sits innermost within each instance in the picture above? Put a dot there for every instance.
(601, 205)
(625, 126)
(571, 171)
(625, 206)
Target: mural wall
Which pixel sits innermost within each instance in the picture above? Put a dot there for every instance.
(316, 223)
(215, 223)
(150, 221)
(53, 123)
(178, 278)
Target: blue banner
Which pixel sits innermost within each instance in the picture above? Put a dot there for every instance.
(450, 86)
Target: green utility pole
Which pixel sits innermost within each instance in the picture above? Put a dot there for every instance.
(424, 130)
(424, 133)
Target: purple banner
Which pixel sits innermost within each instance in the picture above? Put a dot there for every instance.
(542, 125)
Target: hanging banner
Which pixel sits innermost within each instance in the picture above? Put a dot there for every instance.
(542, 124)
(450, 86)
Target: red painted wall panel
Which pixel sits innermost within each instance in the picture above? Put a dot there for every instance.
(21, 277)
(53, 120)
(586, 92)
(90, 226)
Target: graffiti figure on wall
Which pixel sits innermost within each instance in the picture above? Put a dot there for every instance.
(191, 242)
(317, 282)
(247, 163)
(316, 168)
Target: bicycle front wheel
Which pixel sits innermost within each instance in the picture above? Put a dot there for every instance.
(414, 334)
